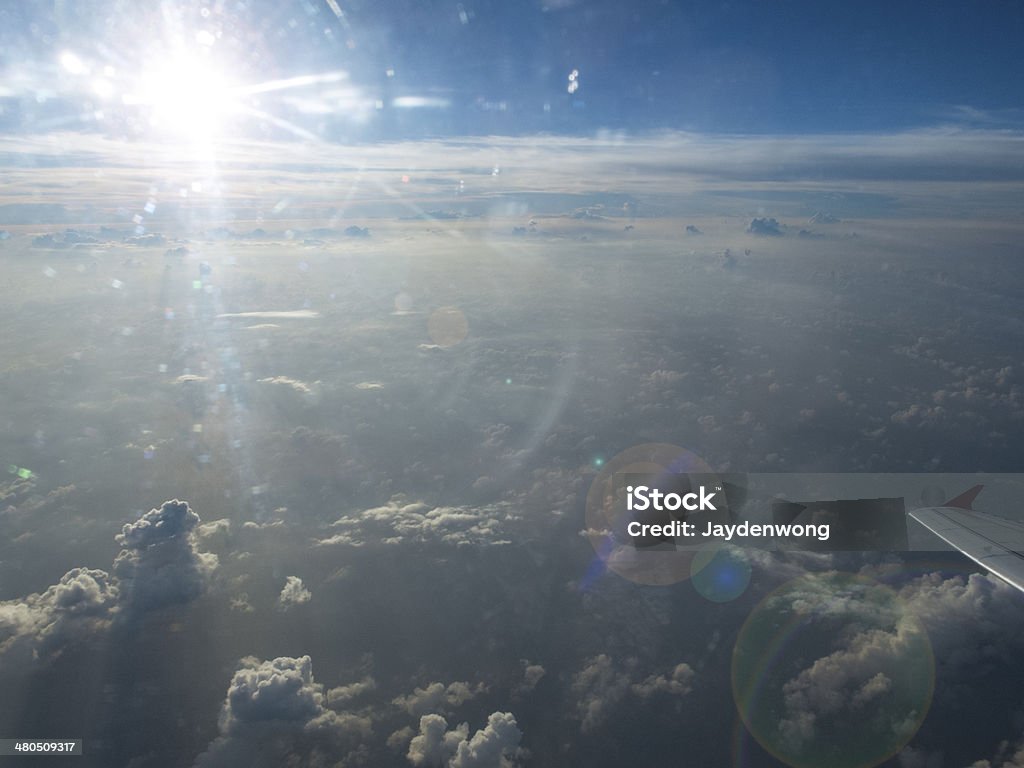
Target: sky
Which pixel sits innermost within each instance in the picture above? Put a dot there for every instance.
(328, 325)
(412, 69)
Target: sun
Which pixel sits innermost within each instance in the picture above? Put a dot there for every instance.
(188, 96)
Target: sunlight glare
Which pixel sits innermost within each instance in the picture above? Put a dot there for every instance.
(188, 97)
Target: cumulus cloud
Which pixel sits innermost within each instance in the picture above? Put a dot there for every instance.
(494, 746)
(293, 593)
(81, 604)
(532, 675)
(435, 744)
(400, 520)
(1006, 756)
(275, 712)
(286, 381)
(764, 227)
(844, 681)
(601, 686)
(160, 564)
(437, 697)
(974, 626)
(971, 622)
(216, 533)
(677, 682)
(343, 694)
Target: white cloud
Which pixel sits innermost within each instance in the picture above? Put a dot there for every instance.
(435, 744)
(286, 381)
(345, 693)
(437, 697)
(676, 683)
(494, 746)
(274, 712)
(601, 686)
(294, 593)
(400, 520)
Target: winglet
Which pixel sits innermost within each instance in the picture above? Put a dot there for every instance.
(965, 499)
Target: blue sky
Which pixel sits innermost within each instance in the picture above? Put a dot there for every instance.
(479, 67)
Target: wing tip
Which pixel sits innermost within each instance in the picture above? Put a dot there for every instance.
(965, 499)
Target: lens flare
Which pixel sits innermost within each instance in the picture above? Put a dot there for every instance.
(186, 96)
(832, 671)
(719, 572)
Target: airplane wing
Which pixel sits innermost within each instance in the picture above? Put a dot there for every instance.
(992, 542)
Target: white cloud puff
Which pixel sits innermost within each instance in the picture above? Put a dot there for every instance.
(437, 697)
(494, 746)
(293, 593)
(275, 714)
(600, 686)
(401, 520)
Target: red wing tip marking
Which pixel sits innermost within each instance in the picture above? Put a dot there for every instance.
(965, 499)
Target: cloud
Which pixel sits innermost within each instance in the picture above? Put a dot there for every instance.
(677, 683)
(494, 746)
(437, 697)
(343, 694)
(435, 744)
(293, 593)
(764, 227)
(80, 605)
(401, 519)
(159, 564)
(821, 217)
(842, 683)
(974, 627)
(532, 675)
(291, 314)
(299, 386)
(972, 622)
(601, 686)
(216, 533)
(1003, 758)
(274, 713)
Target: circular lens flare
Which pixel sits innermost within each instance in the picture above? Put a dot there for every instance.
(833, 670)
(720, 572)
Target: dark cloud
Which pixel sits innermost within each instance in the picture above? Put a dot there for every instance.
(764, 226)
(1006, 756)
(160, 563)
(83, 603)
(532, 675)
